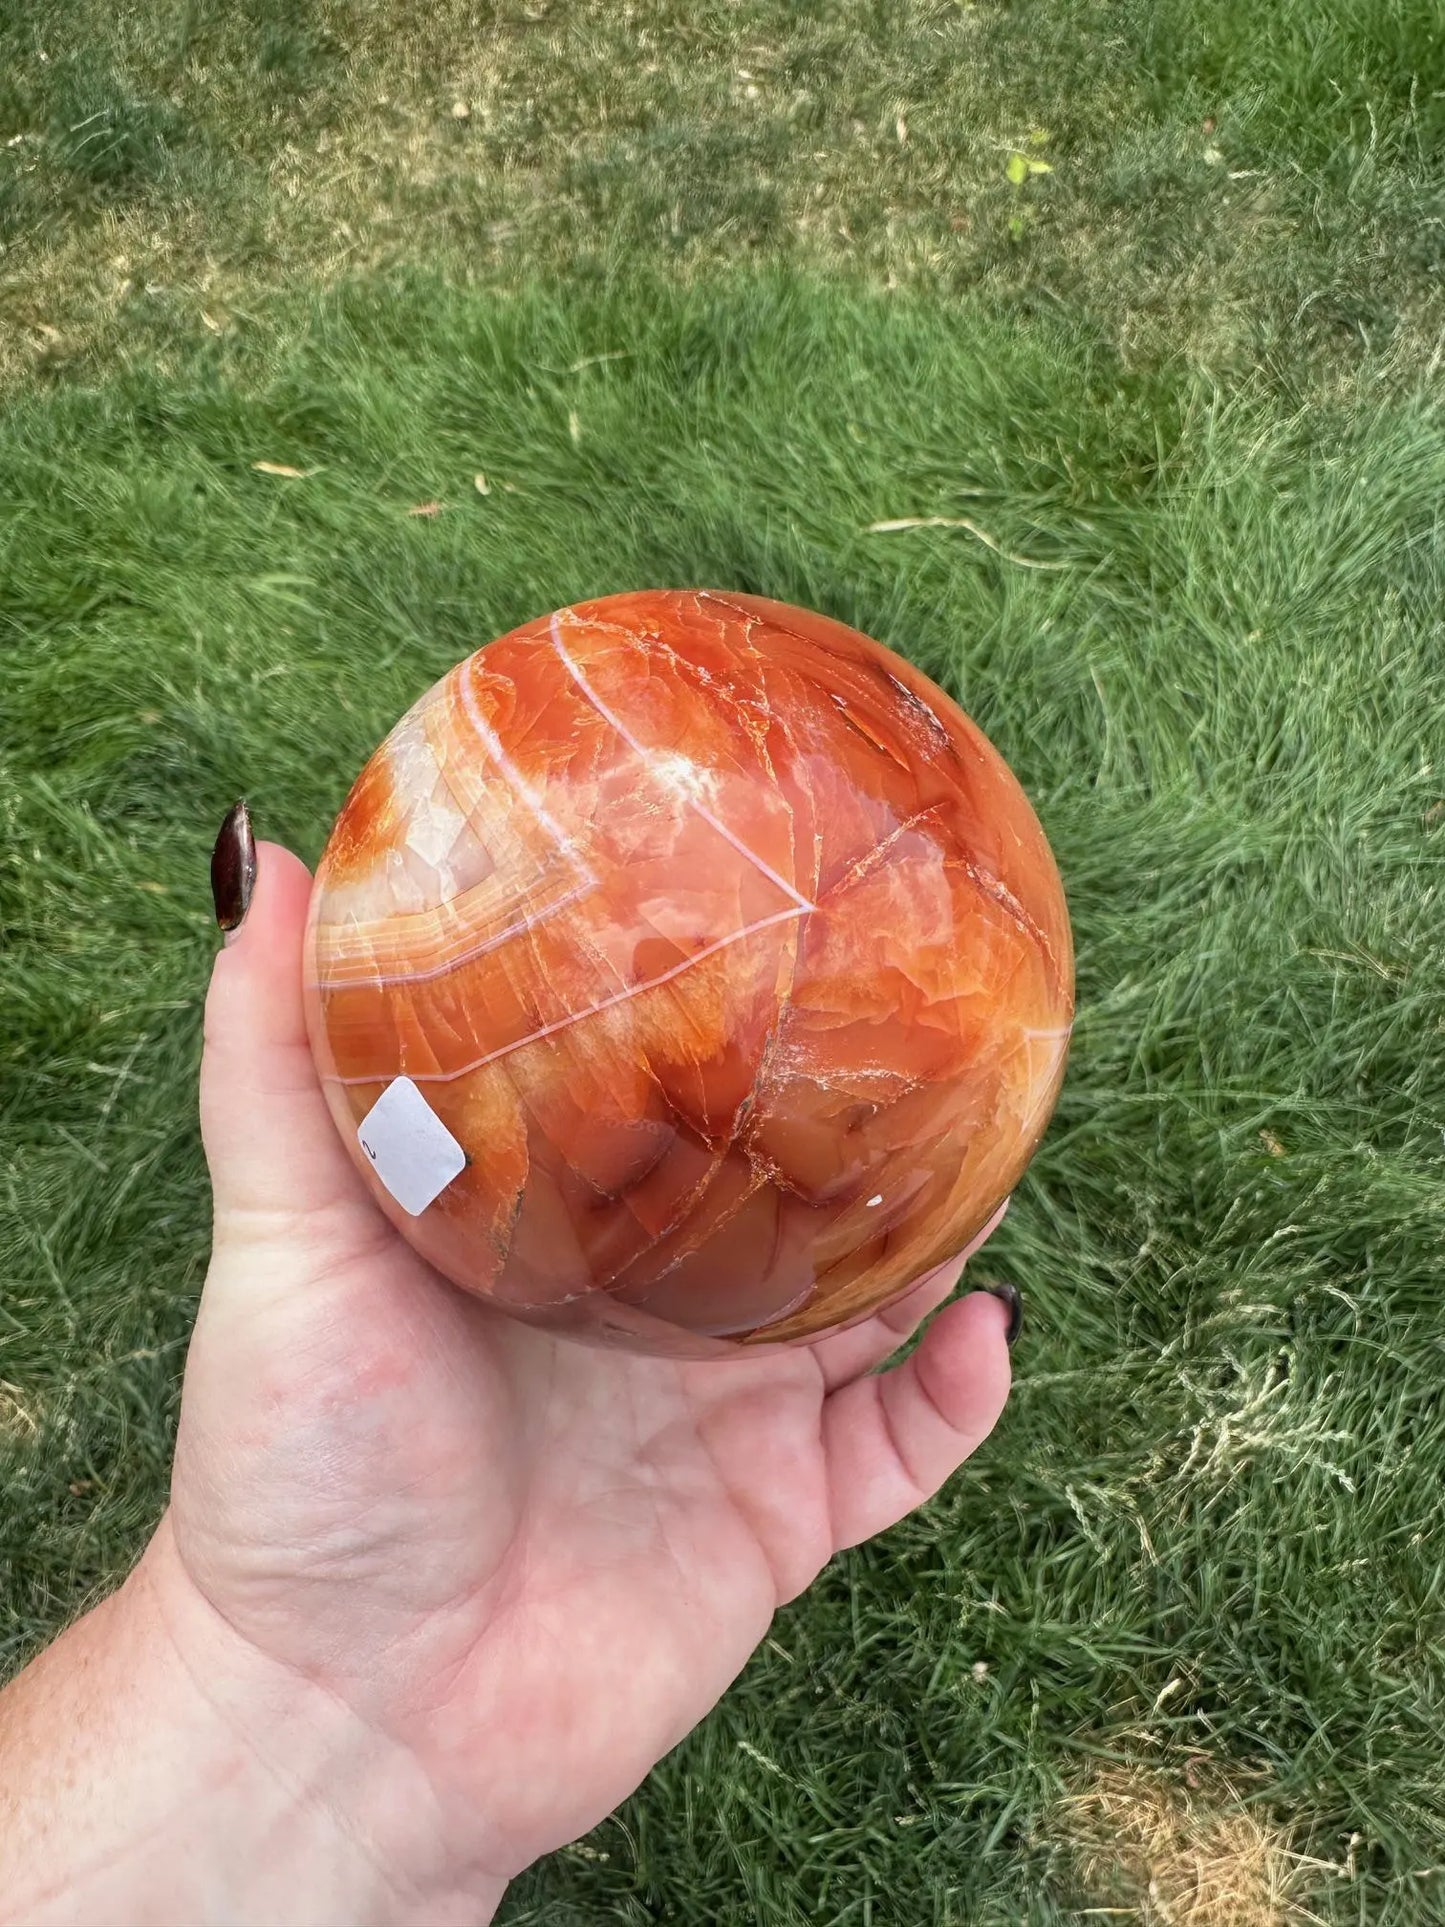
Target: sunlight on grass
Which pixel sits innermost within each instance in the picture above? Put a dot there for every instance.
(1221, 183)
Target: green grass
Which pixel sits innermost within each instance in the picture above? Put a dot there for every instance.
(1205, 1540)
(1219, 1466)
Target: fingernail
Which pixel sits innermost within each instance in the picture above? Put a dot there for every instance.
(233, 869)
(1009, 1295)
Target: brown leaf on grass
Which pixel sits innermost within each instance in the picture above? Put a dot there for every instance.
(283, 468)
(481, 484)
(426, 508)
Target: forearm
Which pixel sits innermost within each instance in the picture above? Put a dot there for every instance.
(153, 1770)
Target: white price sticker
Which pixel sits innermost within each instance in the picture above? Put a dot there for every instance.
(411, 1150)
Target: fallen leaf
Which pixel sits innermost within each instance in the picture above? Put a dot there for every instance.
(210, 321)
(460, 110)
(282, 468)
(481, 484)
(1435, 812)
(426, 508)
(148, 716)
(1271, 1144)
(900, 128)
(155, 889)
(574, 425)
(1021, 166)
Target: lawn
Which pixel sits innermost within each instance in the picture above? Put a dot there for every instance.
(1150, 301)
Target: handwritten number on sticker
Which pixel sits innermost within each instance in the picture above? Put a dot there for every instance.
(408, 1147)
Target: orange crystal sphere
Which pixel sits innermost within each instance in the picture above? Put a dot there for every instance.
(705, 961)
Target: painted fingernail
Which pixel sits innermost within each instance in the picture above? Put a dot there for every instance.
(233, 869)
(1009, 1295)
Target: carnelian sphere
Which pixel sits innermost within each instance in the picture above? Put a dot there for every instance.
(687, 972)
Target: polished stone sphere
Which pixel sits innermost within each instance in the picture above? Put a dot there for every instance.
(687, 972)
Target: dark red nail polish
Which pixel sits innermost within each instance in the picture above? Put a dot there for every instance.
(1008, 1295)
(233, 868)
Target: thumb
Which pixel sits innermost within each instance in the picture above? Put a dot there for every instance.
(274, 1154)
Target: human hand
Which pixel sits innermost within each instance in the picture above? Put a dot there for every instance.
(456, 1581)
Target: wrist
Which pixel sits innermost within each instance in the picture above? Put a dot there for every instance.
(157, 1766)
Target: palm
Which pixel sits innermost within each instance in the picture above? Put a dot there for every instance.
(468, 1528)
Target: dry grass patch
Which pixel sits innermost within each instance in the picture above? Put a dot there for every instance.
(1150, 1848)
(18, 1420)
